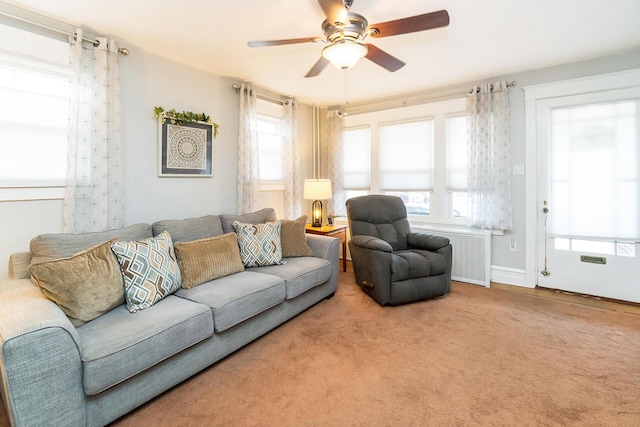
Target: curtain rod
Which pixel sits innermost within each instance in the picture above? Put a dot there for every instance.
(122, 50)
(407, 101)
(264, 97)
(509, 84)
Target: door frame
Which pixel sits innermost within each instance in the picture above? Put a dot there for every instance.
(533, 94)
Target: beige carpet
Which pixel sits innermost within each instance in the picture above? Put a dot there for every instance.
(477, 356)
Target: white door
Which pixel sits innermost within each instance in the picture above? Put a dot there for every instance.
(589, 194)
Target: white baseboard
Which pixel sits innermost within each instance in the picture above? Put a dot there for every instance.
(509, 276)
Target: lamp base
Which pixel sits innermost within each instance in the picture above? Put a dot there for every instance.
(316, 214)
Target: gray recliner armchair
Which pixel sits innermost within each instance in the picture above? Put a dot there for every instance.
(391, 263)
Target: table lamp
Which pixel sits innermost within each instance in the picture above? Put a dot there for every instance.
(317, 190)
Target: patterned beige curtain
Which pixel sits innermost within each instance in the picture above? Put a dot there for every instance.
(248, 164)
(489, 157)
(94, 195)
(333, 133)
(291, 153)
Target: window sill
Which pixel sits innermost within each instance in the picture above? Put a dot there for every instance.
(21, 194)
(442, 226)
(271, 186)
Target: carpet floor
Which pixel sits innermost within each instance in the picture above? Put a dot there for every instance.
(475, 357)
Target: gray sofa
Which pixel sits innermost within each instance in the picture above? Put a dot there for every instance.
(55, 374)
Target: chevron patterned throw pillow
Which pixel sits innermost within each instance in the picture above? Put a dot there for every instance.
(259, 243)
(149, 269)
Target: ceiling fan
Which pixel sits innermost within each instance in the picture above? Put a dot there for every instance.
(345, 31)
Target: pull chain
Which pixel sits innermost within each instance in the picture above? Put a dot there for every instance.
(346, 86)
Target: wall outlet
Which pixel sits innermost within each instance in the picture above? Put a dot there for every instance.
(518, 169)
(513, 246)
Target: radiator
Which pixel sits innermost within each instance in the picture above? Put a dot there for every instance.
(471, 251)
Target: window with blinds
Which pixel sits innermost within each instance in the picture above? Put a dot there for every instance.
(418, 153)
(456, 158)
(34, 102)
(356, 161)
(270, 130)
(594, 170)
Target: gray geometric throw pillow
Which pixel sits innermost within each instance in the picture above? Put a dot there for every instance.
(260, 244)
(149, 268)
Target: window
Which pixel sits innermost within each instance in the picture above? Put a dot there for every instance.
(270, 141)
(417, 153)
(356, 164)
(409, 176)
(595, 173)
(34, 102)
(456, 146)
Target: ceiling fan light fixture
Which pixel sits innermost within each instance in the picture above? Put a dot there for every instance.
(345, 54)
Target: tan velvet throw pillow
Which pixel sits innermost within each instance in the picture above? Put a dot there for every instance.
(294, 238)
(85, 285)
(206, 259)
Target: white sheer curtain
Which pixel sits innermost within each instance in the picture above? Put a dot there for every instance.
(291, 163)
(248, 164)
(489, 174)
(94, 186)
(335, 160)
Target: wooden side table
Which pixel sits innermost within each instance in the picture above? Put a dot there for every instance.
(337, 231)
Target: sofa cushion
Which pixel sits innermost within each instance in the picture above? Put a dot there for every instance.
(238, 297)
(186, 230)
(260, 244)
(300, 274)
(206, 259)
(294, 238)
(149, 268)
(47, 247)
(119, 345)
(257, 217)
(85, 285)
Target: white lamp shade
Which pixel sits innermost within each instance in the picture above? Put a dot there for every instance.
(345, 54)
(317, 189)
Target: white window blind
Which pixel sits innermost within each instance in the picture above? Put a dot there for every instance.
(594, 171)
(270, 126)
(34, 102)
(406, 156)
(271, 146)
(456, 145)
(357, 162)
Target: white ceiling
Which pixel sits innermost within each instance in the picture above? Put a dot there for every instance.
(486, 38)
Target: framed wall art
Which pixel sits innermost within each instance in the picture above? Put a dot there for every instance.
(185, 149)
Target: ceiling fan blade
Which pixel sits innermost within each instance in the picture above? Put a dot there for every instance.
(283, 42)
(412, 24)
(383, 59)
(337, 13)
(318, 67)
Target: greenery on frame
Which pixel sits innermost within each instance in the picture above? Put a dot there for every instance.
(177, 118)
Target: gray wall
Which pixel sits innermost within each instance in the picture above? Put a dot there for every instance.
(148, 81)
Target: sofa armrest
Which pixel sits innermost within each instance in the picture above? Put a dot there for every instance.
(426, 241)
(327, 248)
(19, 265)
(372, 243)
(39, 356)
(323, 246)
